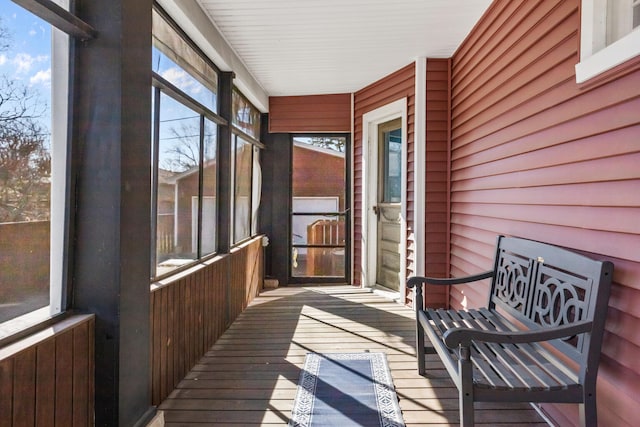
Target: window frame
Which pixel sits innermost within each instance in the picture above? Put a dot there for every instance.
(66, 30)
(162, 86)
(254, 181)
(596, 57)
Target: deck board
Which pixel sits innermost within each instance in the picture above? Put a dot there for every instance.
(249, 376)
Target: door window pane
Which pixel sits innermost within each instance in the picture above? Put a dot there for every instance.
(392, 166)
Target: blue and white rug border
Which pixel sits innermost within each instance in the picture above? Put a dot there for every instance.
(390, 414)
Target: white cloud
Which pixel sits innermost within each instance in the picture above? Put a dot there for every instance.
(182, 79)
(32, 32)
(24, 62)
(3, 59)
(42, 77)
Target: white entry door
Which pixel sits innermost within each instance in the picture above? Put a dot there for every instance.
(384, 222)
(389, 204)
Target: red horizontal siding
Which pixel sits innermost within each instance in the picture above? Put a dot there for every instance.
(313, 113)
(536, 155)
(437, 178)
(397, 85)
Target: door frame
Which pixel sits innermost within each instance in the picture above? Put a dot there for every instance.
(370, 122)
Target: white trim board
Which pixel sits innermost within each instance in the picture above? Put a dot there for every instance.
(370, 121)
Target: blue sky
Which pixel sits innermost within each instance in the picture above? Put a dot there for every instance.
(28, 58)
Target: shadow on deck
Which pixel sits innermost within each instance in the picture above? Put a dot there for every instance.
(249, 377)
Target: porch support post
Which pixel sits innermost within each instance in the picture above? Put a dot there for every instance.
(111, 152)
(225, 159)
(420, 167)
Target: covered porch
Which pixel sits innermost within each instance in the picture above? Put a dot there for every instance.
(249, 376)
(160, 194)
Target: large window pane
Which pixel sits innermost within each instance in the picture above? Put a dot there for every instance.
(32, 164)
(242, 189)
(178, 62)
(184, 158)
(177, 186)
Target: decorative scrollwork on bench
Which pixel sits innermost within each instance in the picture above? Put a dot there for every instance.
(512, 282)
(559, 300)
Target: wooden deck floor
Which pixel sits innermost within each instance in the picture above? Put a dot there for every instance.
(249, 377)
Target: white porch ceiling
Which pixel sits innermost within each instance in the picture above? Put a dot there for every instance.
(302, 47)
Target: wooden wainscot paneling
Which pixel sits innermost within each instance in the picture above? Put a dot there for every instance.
(246, 276)
(313, 113)
(192, 309)
(47, 378)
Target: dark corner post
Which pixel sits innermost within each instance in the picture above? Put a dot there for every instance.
(276, 195)
(225, 155)
(111, 152)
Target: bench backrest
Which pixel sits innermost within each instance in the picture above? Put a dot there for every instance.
(541, 285)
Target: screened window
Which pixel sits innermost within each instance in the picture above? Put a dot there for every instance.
(247, 175)
(243, 154)
(34, 75)
(184, 153)
(246, 117)
(179, 63)
(623, 16)
(609, 36)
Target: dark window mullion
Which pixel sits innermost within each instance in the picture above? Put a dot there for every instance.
(200, 187)
(154, 178)
(184, 98)
(59, 17)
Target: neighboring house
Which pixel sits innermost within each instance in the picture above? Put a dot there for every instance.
(318, 172)
(318, 185)
(178, 207)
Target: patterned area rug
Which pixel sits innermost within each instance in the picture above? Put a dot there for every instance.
(346, 389)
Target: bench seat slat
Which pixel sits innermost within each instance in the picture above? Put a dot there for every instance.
(526, 361)
(502, 366)
(556, 369)
(516, 374)
(482, 357)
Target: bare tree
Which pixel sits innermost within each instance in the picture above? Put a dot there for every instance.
(183, 153)
(331, 143)
(25, 161)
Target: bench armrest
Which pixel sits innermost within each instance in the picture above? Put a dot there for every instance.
(418, 280)
(463, 336)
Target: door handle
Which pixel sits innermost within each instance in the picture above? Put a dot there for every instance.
(376, 210)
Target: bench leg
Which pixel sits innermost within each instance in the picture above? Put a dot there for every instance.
(465, 388)
(588, 411)
(420, 349)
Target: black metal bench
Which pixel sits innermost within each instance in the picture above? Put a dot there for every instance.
(538, 339)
